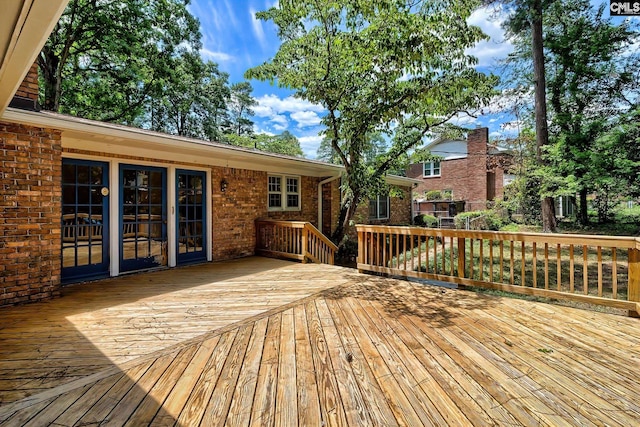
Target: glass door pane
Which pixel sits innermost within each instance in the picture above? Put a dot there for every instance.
(190, 193)
(85, 209)
(143, 242)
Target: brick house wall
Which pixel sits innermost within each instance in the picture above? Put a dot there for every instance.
(466, 177)
(245, 200)
(30, 212)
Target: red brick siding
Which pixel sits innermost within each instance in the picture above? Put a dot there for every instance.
(30, 212)
(29, 87)
(244, 201)
(467, 177)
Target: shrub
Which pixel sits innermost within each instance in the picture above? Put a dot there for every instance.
(492, 220)
(425, 220)
(433, 195)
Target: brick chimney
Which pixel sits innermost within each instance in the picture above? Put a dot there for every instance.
(26, 97)
(477, 149)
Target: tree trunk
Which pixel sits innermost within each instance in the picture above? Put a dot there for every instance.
(582, 211)
(48, 63)
(542, 133)
(347, 211)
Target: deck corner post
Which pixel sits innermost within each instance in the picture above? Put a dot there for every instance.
(461, 257)
(305, 243)
(634, 278)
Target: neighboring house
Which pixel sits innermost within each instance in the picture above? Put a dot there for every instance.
(471, 171)
(83, 199)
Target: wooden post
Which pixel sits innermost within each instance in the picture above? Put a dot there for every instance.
(360, 248)
(305, 243)
(461, 257)
(634, 279)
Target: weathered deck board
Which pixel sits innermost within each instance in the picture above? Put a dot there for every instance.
(373, 351)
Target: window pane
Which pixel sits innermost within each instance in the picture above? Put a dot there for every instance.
(436, 168)
(292, 185)
(274, 184)
(373, 208)
(292, 201)
(275, 200)
(383, 209)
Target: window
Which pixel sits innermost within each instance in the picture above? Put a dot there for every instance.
(379, 208)
(432, 168)
(283, 193)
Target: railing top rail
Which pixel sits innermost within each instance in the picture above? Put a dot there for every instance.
(321, 236)
(282, 223)
(566, 239)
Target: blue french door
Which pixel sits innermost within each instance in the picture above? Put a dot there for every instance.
(143, 217)
(85, 220)
(191, 222)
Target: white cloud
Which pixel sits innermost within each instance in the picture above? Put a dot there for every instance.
(216, 56)
(462, 119)
(258, 31)
(290, 104)
(310, 144)
(496, 48)
(306, 118)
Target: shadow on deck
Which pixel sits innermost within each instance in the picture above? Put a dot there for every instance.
(267, 342)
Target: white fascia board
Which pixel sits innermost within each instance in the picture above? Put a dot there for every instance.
(90, 135)
(402, 181)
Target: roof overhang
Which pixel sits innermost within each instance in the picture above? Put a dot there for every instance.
(94, 136)
(25, 26)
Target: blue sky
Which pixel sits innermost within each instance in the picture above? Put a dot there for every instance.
(234, 39)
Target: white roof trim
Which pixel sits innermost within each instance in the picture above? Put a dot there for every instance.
(91, 135)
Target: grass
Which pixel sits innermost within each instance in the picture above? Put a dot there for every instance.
(516, 265)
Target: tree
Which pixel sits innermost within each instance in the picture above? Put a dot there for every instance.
(285, 143)
(193, 99)
(592, 78)
(527, 19)
(396, 67)
(239, 109)
(105, 58)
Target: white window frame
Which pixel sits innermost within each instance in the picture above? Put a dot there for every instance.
(284, 193)
(377, 201)
(429, 169)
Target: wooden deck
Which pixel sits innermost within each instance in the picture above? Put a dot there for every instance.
(267, 342)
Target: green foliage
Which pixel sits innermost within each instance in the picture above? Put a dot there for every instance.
(104, 60)
(239, 110)
(398, 68)
(192, 101)
(487, 219)
(425, 220)
(433, 195)
(285, 143)
(593, 89)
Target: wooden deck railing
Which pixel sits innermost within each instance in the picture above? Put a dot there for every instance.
(295, 240)
(601, 270)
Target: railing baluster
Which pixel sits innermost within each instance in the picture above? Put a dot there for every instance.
(559, 267)
(523, 274)
(534, 262)
(571, 270)
(546, 266)
(614, 273)
(444, 257)
(471, 240)
(481, 262)
(501, 261)
(490, 260)
(419, 253)
(585, 270)
(451, 256)
(599, 271)
(511, 262)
